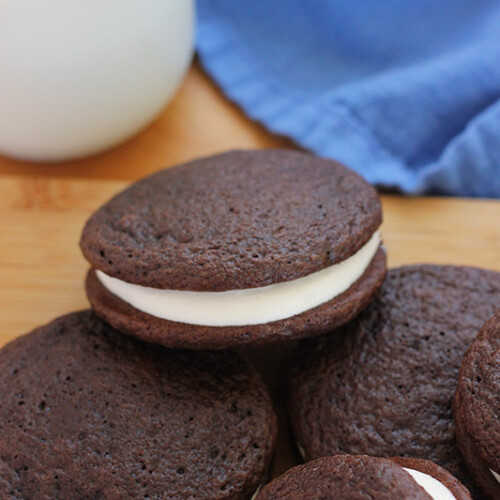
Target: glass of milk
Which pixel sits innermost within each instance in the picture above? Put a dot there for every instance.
(80, 76)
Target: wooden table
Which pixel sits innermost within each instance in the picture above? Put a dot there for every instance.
(43, 208)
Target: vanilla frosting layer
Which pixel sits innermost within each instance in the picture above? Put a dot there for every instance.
(257, 491)
(301, 451)
(249, 306)
(436, 489)
(495, 475)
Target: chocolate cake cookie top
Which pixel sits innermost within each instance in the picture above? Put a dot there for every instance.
(89, 413)
(238, 220)
(384, 383)
(477, 408)
(349, 477)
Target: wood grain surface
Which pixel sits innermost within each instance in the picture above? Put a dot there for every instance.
(43, 208)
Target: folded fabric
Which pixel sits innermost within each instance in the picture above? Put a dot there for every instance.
(406, 92)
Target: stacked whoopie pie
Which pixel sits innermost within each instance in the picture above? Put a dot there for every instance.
(240, 249)
(89, 413)
(384, 384)
(477, 408)
(360, 477)
(140, 397)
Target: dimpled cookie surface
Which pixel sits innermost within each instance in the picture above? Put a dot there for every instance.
(89, 413)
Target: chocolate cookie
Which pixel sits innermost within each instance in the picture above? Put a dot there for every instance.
(87, 412)
(384, 384)
(243, 248)
(477, 409)
(350, 477)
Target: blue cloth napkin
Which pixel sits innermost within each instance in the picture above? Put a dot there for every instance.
(406, 92)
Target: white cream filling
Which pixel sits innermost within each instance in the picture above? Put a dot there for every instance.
(250, 306)
(254, 496)
(495, 475)
(301, 451)
(436, 489)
